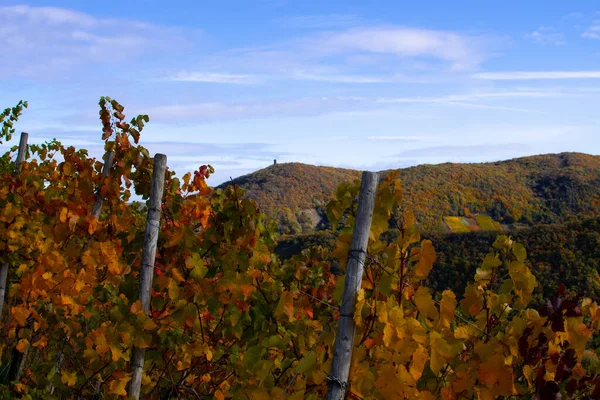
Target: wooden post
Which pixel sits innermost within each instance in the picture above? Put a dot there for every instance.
(18, 359)
(99, 201)
(3, 285)
(4, 266)
(147, 270)
(22, 150)
(344, 342)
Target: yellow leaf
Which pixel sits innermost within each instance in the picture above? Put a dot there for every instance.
(118, 387)
(93, 225)
(447, 309)
(115, 353)
(285, 306)
(579, 334)
(419, 359)
(177, 275)
(148, 324)
(79, 285)
(219, 395)
(68, 378)
(441, 352)
(472, 302)
(496, 376)
(360, 301)
(579, 372)
(426, 258)
(146, 380)
(20, 315)
(425, 304)
(173, 289)
(67, 168)
(63, 214)
(23, 345)
(136, 307)
(47, 275)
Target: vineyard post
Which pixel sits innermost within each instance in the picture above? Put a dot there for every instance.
(109, 156)
(344, 342)
(18, 358)
(4, 266)
(148, 259)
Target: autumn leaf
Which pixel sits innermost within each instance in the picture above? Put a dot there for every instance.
(426, 258)
(68, 378)
(285, 306)
(23, 345)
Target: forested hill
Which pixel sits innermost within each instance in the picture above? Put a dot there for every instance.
(539, 189)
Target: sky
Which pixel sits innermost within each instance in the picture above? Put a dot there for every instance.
(355, 84)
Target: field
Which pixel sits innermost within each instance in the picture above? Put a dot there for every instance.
(481, 222)
(487, 223)
(456, 224)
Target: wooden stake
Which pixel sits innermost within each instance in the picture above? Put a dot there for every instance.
(344, 342)
(4, 266)
(22, 151)
(18, 359)
(148, 259)
(99, 201)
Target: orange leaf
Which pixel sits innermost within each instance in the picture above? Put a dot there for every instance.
(23, 345)
(246, 289)
(63, 215)
(136, 307)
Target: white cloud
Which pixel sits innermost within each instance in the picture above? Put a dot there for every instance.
(318, 21)
(399, 138)
(536, 75)
(259, 109)
(545, 35)
(45, 41)
(208, 77)
(342, 54)
(593, 32)
(48, 15)
(459, 50)
(213, 111)
(341, 78)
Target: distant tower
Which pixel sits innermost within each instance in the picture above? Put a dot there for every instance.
(274, 162)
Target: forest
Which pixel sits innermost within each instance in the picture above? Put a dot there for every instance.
(227, 304)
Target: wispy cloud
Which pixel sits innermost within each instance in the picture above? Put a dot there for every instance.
(459, 50)
(536, 75)
(392, 53)
(593, 32)
(208, 77)
(41, 41)
(475, 151)
(314, 106)
(546, 35)
(332, 78)
(318, 21)
(397, 138)
(258, 109)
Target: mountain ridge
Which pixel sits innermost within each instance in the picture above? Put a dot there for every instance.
(546, 188)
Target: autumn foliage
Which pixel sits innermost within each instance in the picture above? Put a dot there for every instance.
(228, 319)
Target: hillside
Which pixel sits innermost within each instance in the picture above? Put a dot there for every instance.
(547, 189)
(294, 193)
(557, 253)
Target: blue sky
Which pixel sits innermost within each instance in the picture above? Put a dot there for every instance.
(364, 85)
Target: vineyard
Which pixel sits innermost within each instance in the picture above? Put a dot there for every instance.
(184, 297)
